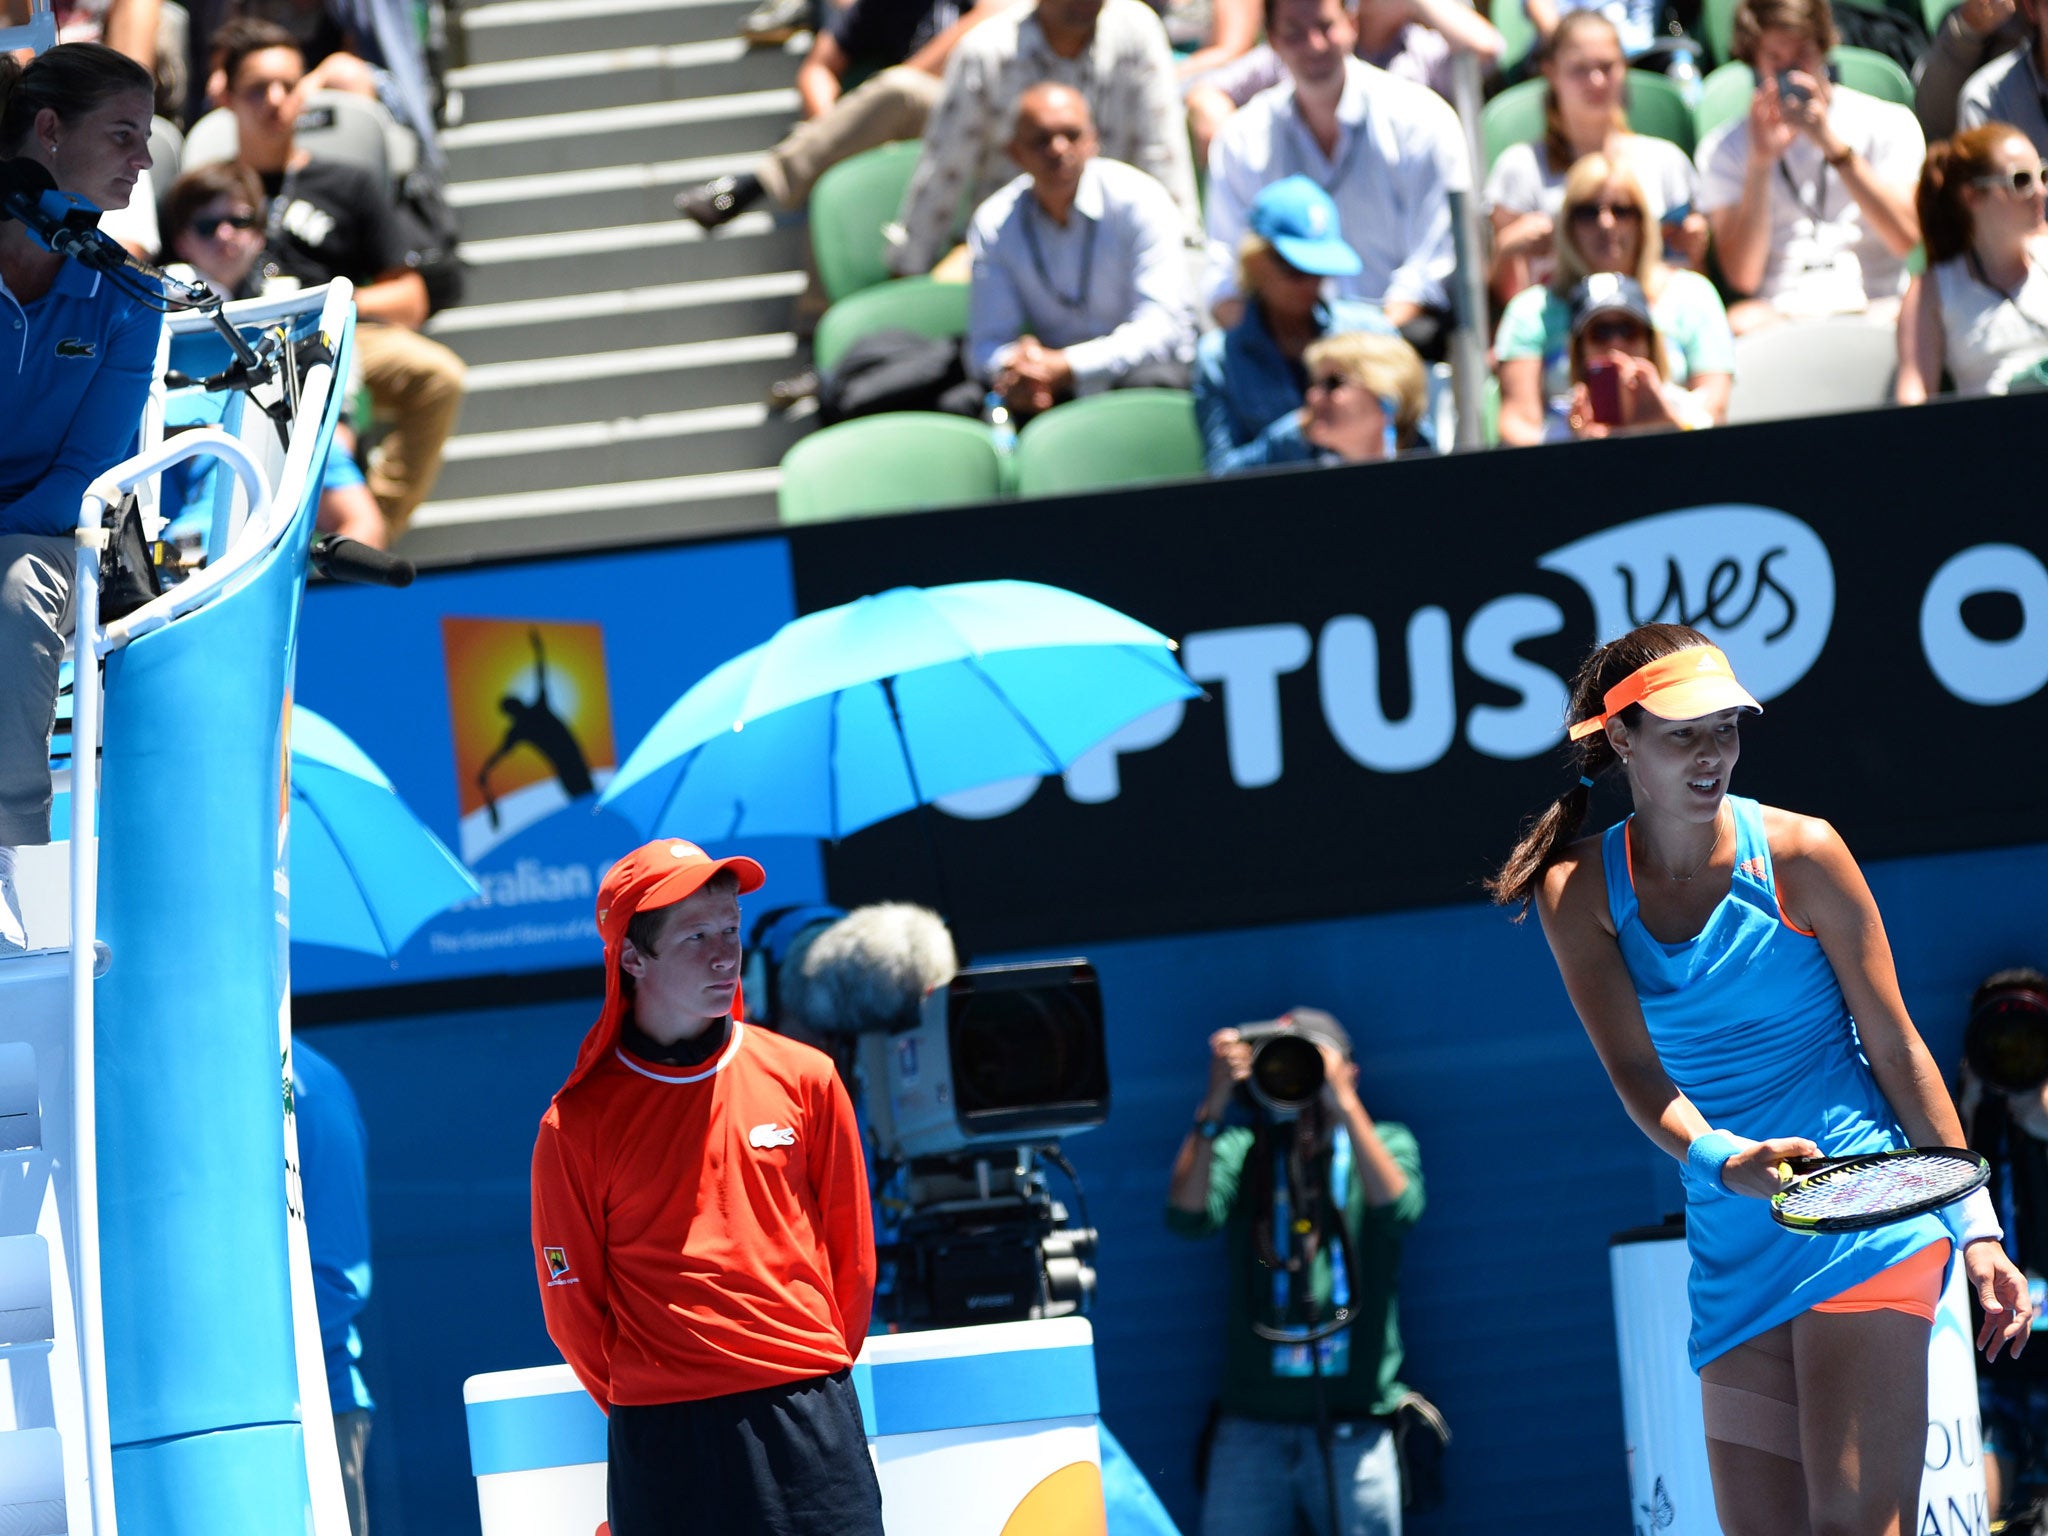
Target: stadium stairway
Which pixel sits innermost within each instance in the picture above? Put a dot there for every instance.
(619, 358)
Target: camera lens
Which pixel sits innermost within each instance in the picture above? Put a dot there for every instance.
(1287, 1072)
(2007, 1043)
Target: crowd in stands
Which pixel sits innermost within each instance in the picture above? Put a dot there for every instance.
(256, 211)
(1630, 250)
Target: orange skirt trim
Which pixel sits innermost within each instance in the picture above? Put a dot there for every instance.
(1911, 1285)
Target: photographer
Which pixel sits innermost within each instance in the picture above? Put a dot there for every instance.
(1291, 1408)
(2004, 1107)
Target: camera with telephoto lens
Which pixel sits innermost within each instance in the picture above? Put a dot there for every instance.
(1287, 1066)
(2006, 1040)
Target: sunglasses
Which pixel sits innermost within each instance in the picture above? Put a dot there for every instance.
(1609, 333)
(1330, 383)
(1621, 213)
(2024, 182)
(210, 229)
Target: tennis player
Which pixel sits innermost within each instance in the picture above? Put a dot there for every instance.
(1732, 970)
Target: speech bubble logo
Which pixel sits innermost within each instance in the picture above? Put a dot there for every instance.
(1756, 581)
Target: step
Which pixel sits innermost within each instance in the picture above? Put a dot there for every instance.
(26, 1313)
(32, 1483)
(656, 315)
(660, 130)
(575, 82)
(709, 440)
(630, 256)
(601, 197)
(644, 381)
(592, 517)
(531, 29)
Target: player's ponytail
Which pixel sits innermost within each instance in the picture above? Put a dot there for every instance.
(1514, 884)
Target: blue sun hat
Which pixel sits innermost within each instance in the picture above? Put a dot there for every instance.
(1298, 219)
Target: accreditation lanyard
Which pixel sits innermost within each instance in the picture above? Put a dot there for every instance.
(1334, 1353)
(1815, 211)
(1078, 299)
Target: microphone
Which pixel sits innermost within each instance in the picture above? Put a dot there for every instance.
(69, 225)
(340, 559)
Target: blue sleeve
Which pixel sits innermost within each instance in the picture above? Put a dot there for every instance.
(334, 1173)
(1280, 443)
(1213, 414)
(102, 430)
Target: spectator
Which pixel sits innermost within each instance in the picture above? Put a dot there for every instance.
(331, 220)
(83, 362)
(1584, 113)
(1080, 274)
(1250, 381)
(1980, 311)
(1415, 39)
(1386, 149)
(1810, 194)
(1620, 367)
(150, 32)
(1365, 398)
(2003, 1104)
(1332, 1163)
(1636, 24)
(213, 230)
(1114, 52)
(912, 38)
(334, 1173)
(2013, 88)
(1606, 229)
(1969, 37)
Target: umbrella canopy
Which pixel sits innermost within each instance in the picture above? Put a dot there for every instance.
(858, 713)
(365, 871)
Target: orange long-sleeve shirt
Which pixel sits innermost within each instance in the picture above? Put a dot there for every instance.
(703, 1230)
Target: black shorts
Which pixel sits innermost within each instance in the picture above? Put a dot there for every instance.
(777, 1461)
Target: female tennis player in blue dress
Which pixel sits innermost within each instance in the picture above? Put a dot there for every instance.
(1732, 970)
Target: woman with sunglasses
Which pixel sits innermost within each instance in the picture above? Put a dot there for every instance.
(1731, 969)
(1584, 113)
(1607, 229)
(1366, 393)
(213, 229)
(1250, 380)
(1980, 311)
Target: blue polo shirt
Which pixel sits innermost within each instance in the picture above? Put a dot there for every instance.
(334, 1173)
(75, 370)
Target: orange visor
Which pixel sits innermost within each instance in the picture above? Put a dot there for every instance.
(1682, 686)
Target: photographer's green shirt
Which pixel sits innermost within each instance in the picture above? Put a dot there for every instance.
(1372, 1383)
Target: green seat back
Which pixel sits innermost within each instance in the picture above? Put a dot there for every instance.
(1511, 19)
(920, 304)
(849, 207)
(1125, 437)
(1935, 12)
(1515, 116)
(897, 462)
(1865, 70)
(1657, 110)
(1724, 94)
(1717, 28)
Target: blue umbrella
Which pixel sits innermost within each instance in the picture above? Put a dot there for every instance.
(858, 713)
(365, 871)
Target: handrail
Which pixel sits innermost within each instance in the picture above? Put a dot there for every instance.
(91, 539)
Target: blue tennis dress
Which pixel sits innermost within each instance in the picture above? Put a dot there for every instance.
(1750, 1023)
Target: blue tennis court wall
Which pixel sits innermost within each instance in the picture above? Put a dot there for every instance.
(1462, 1031)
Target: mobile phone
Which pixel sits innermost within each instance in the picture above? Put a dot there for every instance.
(1789, 90)
(1603, 391)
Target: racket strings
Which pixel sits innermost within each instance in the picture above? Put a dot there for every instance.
(1878, 1186)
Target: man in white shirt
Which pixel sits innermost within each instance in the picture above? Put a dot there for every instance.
(1811, 194)
(1387, 150)
(1114, 52)
(1080, 279)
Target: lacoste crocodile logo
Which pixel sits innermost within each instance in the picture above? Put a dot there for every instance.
(75, 346)
(771, 1135)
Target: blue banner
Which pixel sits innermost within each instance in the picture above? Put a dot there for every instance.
(501, 701)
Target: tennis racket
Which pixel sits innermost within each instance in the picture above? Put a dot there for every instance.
(1852, 1194)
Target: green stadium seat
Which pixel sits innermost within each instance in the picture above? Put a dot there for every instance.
(850, 205)
(920, 304)
(1717, 28)
(898, 462)
(1935, 12)
(1511, 19)
(1655, 109)
(1125, 437)
(1724, 94)
(1865, 70)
